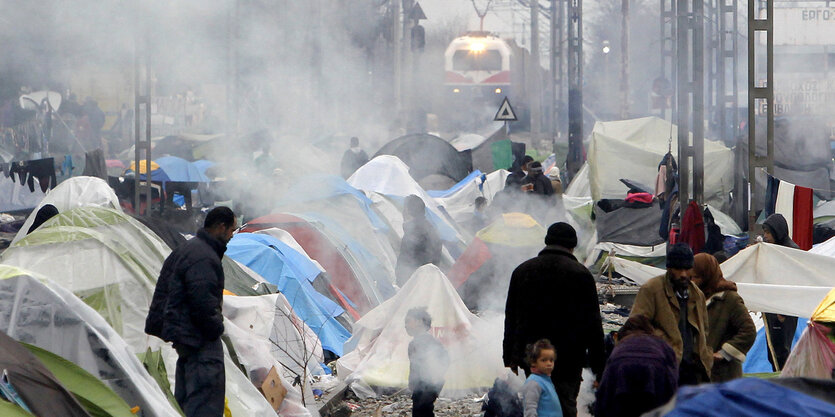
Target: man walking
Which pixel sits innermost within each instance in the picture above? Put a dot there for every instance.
(554, 297)
(186, 310)
(676, 308)
(420, 245)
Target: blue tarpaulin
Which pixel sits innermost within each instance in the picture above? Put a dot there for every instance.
(446, 193)
(292, 273)
(748, 397)
(756, 360)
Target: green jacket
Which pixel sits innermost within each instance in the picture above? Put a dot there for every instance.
(657, 301)
(731, 333)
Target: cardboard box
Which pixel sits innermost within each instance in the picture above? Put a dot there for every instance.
(272, 389)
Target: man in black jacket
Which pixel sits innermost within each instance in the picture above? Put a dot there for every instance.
(186, 310)
(353, 158)
(420, 245)
(780, 328)
(553, 296)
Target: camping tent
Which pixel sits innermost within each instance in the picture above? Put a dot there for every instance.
(48, 316)
(814, 354)
(427, 154)
(632, 149)
(619, 223)
(379, 356)
(482, 272)
(39, 390)
(72, 193)
(293, 273)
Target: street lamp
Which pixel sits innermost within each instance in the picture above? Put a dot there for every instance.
(606, 47)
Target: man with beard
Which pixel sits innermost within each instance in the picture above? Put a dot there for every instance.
(676, 308)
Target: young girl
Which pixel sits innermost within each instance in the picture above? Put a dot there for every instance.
(538, 395)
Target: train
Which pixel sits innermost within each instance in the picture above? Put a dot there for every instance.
(478, 67)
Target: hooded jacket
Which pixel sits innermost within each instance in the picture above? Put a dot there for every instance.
(186, 307)
(779, 228)
(731, 331)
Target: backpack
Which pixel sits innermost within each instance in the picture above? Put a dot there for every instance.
(502, 401)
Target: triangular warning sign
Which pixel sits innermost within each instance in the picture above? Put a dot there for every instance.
(505, 113)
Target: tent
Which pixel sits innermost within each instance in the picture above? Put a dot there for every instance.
(72, 193)
(293, 273)
(427, 154)
(378, 357)
(814, 354)
(633, 149)
(480, 149)
(102, 255)
(459, 201)
(271, 318)
(172, 168)
(48, 316)
(40, 391)
(747, 397)
(482, 272)
(618, 223)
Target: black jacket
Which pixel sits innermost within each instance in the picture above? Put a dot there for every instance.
(541, 184)
(351, 161)
(779, 228)
(553, 296)
(420, 245)
(186, 307)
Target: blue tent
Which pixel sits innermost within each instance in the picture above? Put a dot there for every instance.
(293, 274)
(756, 360)
(446, 193)
(748, 397)
(203, 165)
(177, 170)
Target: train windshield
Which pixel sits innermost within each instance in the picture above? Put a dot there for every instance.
(488, 60)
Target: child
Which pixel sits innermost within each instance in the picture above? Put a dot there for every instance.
(428, 362)
(539, 396)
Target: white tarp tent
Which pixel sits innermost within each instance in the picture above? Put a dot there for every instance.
(632, 149)
(72, 193)
(770, 278)
(380, 343)
(461, 204)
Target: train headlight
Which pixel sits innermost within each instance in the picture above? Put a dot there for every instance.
(498, 91)
(456, 90)
(477, 47)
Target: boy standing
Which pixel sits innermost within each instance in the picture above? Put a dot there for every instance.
(428, 363)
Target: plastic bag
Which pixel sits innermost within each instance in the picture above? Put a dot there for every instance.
(813, 355)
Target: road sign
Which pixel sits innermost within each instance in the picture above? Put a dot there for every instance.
(505, 113)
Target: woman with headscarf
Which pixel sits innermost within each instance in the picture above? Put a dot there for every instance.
(731, 331)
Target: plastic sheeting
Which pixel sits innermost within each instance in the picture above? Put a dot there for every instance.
(380, 343)
(102, 255)
(748, 397)
(50, 317)
(629, 226)
(632, 149)
(814, 354)
(459, 201)
(72, 193)
(826, 309)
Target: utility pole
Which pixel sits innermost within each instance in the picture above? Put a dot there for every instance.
(755, 27)
(534, 70)
(624, 59)
(556, 69)
(690, 99)
(142, 96)
(396, 47)
(667, 23)
(574, 160)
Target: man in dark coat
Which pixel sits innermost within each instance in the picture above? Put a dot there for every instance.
(541, 184)
(780, 330)
(186, 310)
(353, 158)
(421, 244)
(518, 173)
(553, 296)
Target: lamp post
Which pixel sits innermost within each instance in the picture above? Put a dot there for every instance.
(606, 48)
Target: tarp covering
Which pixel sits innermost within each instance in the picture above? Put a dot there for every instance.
(629, 226)
(756, 360)
(380, 356)
(292, 273)
(172, 168)
(770, 278)
(270, 317)
(748, 397)
(515, 230)
(459, 201)
(50, 317)
(72, 193)
(633, 148)
(427, 155)
(813, 356)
